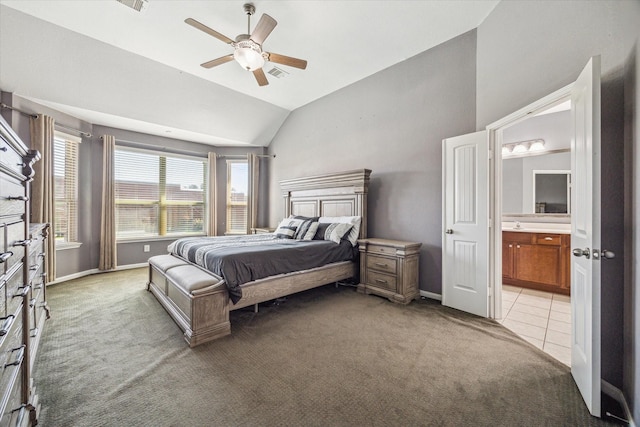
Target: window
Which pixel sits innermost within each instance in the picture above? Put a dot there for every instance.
(65, 188)
(158, 194)
(237, 189)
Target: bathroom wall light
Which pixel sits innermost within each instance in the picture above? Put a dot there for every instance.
(523, 147)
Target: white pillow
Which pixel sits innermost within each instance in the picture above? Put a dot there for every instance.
(353, 220)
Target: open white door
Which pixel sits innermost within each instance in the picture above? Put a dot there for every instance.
(585, 235)
(465, 242)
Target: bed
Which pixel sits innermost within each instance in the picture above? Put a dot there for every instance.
(199, 300)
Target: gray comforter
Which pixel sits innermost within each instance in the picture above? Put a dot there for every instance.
(242, 259)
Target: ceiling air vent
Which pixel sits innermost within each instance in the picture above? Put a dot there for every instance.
(277, 72)
(138, 5)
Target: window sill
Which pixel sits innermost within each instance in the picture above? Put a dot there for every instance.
(67, 245)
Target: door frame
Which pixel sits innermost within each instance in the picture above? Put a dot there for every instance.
(494, 133)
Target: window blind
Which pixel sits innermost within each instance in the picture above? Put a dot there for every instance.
(237, 190)
(158, 194)
(65, 190)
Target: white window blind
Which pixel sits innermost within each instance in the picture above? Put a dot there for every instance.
(158, 194)
(237, 189)
(65, 187)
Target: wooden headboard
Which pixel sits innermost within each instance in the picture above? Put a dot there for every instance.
(335, 194)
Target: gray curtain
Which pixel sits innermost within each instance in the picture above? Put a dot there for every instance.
(252, 202)
(108, 253)
(212, 220)
(42, 197)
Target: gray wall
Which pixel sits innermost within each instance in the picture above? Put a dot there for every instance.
(393, 123)
(527, 50)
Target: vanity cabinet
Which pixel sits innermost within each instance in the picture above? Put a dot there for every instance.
(536, 261)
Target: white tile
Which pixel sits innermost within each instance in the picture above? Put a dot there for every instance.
(563, 354)
(560, 317)
(561, 306)
(563, 298)
(510, 288)
(534, 301)
(535, 342)
(509, 296)
(563, 327)
(524, 329)
(527, 318)
(540, 294)
(558, 338)
(523, 308)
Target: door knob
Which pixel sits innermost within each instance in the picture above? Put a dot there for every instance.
(449, 231)
(607, 254)
(581, 252)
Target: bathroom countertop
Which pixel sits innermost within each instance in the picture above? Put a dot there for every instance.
(537, 227)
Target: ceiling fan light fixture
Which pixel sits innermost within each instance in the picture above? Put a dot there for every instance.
(248, 54)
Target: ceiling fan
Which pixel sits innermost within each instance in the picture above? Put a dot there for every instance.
(248, 47)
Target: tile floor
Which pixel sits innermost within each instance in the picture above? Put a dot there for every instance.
(542, 318)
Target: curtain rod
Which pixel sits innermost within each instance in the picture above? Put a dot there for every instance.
(241, 156)
(35, 116)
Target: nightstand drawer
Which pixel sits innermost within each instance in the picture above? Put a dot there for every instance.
(381, 264)
(381, 280)
(378, 249)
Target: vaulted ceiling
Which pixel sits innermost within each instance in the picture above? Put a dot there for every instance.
(108, 64)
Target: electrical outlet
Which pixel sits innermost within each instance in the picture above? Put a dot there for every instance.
(146, 248)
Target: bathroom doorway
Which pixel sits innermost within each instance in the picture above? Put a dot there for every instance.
(536, 230)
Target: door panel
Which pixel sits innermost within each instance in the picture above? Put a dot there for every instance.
(465, 240)
(585, 234)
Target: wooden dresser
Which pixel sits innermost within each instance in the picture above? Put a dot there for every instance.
(389, 268)
(537, 261)
(23, 306)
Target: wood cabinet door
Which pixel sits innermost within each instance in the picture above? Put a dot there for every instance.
(507, 259)
(538, 263)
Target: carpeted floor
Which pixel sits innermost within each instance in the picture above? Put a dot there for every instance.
(111, 356)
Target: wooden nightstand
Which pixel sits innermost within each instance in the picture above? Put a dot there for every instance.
(389, 268)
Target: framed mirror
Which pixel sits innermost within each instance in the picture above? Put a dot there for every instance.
(552, 191)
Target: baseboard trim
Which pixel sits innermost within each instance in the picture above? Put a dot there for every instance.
(430, 295)
(617, 394)
(95, 271)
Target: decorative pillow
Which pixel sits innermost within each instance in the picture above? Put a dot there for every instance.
(303, 223)
(286, 230)
(334, 231)
(311, 232)
(355, 221)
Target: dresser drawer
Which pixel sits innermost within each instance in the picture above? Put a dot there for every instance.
(381, 280)
(11, 291)
(12, 197)
(10, 157)
(14, 413)
(381, 264)
(549, 239)
(9, 234)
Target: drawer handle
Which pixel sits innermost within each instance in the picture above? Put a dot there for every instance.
(43, 275)
(23, 293)
(22, 411)
(34, 267)
(5, 256)
(21, 198)
(34, 332)
(19, 358)
(41, 255)
(26, 242)
(381, 281)
(6, 324)
(379, 264)
(548, 238)
(32, 302)
(3, 148)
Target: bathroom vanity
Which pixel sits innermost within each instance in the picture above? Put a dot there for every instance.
(537, 258)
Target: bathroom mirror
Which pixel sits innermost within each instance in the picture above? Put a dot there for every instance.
(552, 191)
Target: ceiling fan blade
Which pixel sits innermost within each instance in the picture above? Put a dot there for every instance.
(266, 24)
(208, 30)
(287, 60)
(260, 77)
(218, 61)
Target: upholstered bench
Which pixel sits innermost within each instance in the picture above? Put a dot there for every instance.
(196, 299)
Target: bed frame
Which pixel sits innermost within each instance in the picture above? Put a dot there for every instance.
(198, 300)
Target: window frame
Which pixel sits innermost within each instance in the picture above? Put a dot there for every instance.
(230, 204)
(71, 144)
(162, 201)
